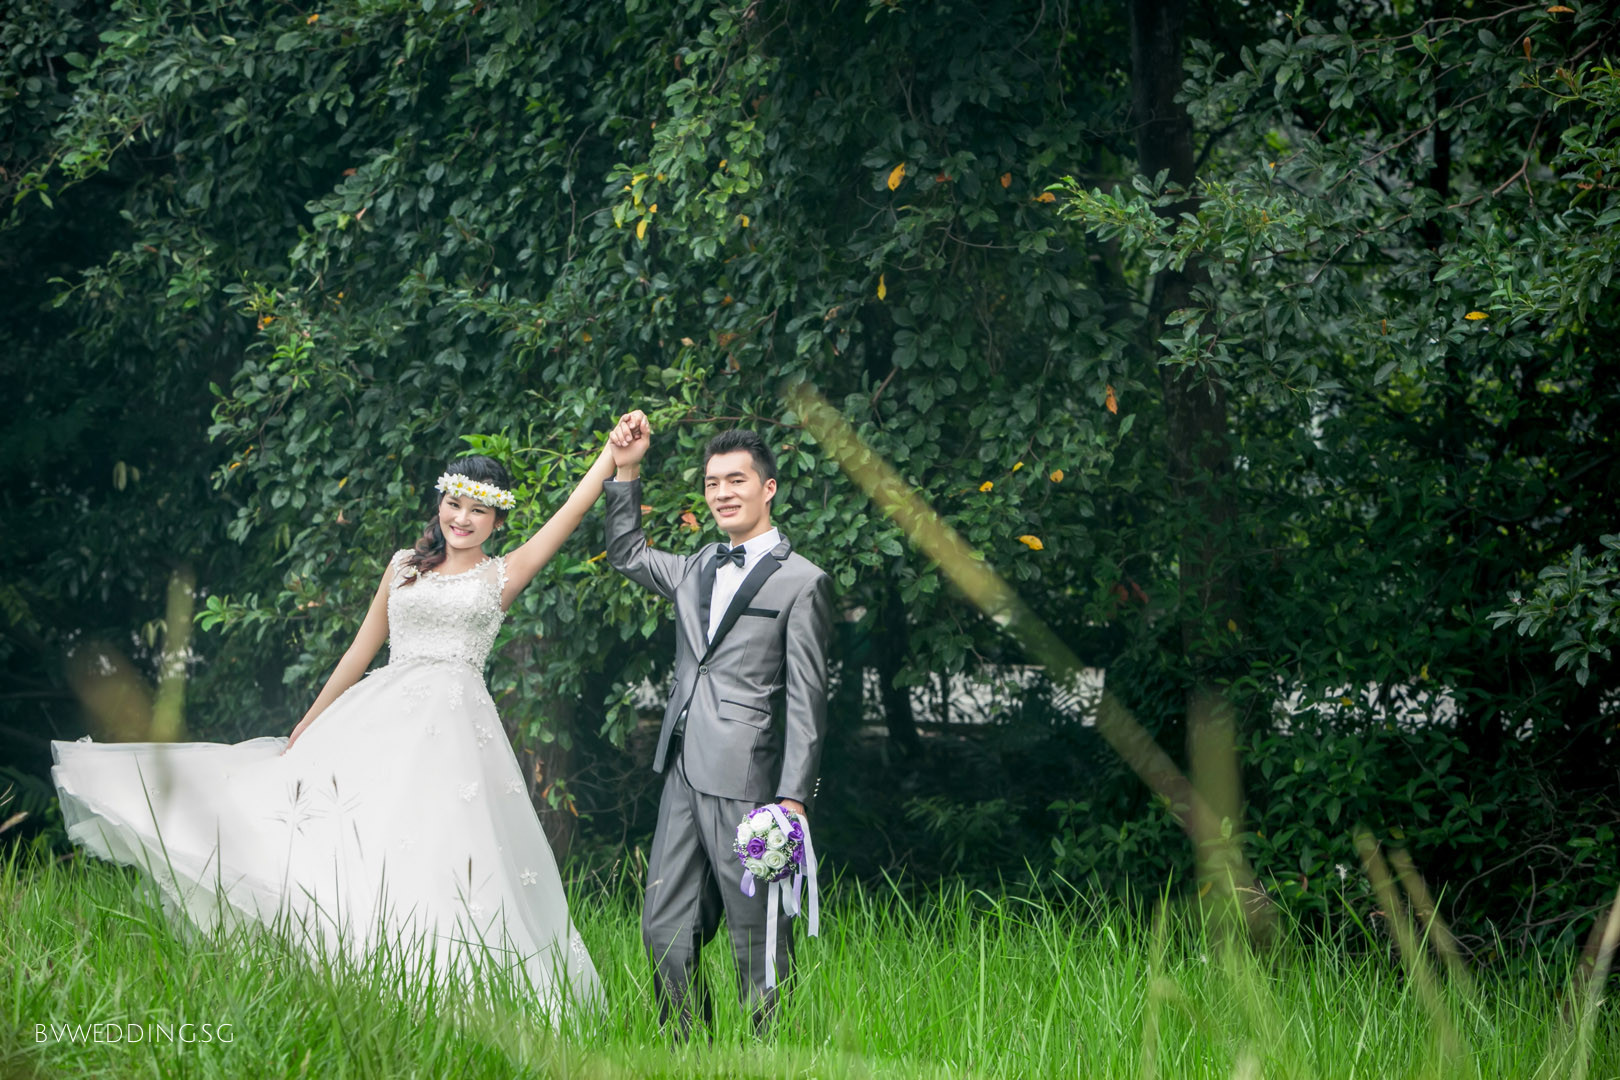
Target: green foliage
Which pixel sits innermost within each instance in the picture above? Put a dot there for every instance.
(966, 831)
(1310, 785)
(1581, 598)
(464, 258)
(267, 273)
(1117, 855)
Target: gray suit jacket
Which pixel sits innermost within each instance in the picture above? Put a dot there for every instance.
(755, 698)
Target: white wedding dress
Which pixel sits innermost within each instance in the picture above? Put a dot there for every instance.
(400, 817)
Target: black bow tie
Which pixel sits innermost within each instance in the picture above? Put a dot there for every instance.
(734, 555)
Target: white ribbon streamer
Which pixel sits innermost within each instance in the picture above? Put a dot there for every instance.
(788, 898)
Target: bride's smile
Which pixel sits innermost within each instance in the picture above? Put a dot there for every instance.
(466, 523)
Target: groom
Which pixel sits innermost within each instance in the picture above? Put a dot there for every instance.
(745, 717)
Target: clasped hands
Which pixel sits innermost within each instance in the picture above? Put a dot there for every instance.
(628, 443)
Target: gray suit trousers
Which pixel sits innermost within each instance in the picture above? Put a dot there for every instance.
(692, 878)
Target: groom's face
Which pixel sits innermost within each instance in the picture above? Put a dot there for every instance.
(738, 499)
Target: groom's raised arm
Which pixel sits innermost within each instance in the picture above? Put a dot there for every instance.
(627, 549)
(809, 625)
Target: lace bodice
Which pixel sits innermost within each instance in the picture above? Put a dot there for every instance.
(445, 618)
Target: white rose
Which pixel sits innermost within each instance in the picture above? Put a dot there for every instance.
(775, 859)
(776, 839)
(745, 833)
(755, 867)
(762, 824)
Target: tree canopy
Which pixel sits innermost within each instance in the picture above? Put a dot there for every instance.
(1258, 352)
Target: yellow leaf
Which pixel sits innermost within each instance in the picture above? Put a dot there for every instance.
(1046, 196)
(1006, 179)
(313, 19)
(585, 336)
(1111, 402)
(688, 342)
(1345, 701)
(1423, 675)
(883, 288)
(1032, 542)
(897, 174)
(723, 162)
(653, 209)
(1057, 476)
(1560, 9)
(641, 229)
(1018, 466)
(1231, 624)
(986, 486)
(1203, 890)
(1475, 316)
(660, 178)
(743, 220)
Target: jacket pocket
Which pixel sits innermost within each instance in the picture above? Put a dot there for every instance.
(763, 613)
(744, 713)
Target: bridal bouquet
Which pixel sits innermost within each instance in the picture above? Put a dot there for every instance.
(772, 846)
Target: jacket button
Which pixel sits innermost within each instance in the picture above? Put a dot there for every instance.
(703, 669)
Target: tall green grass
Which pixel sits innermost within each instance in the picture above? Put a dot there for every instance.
(959, 984)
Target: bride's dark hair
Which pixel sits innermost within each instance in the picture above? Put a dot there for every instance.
(429, 550)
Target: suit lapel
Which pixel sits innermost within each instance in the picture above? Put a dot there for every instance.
(705, 584)
(762, 571)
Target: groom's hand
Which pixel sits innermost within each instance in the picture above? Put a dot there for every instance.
(628, 443)
(793, 806)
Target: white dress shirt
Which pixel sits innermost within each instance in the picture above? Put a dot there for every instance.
(728, 576)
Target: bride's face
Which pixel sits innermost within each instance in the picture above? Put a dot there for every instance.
(466, 523)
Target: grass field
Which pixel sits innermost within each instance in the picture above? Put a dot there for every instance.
(963, 984)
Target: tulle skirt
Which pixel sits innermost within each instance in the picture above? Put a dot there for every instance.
(399, 818)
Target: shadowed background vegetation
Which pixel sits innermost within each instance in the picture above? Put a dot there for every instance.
(1262, 352)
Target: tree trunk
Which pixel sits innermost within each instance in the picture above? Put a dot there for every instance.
(544, 764)
(1195, 406)
(1199, 460)
(555, 762)
(893, 642)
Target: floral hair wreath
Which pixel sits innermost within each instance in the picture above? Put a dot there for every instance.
(465, 487)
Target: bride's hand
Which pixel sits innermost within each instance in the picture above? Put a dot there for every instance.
(629, 441)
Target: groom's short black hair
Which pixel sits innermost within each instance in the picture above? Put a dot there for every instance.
(743, 439)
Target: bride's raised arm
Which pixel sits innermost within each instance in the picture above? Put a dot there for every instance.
(527, 561)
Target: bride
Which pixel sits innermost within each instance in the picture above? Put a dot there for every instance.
(395, 816)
